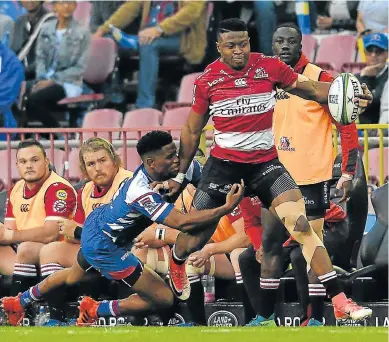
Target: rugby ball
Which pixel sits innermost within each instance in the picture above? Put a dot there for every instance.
(341, 98)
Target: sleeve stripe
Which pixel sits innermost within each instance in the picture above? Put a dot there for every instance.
(10, 219)
(159, 211)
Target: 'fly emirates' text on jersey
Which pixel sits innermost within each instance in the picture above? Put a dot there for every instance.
(241, 104)
(132, 209)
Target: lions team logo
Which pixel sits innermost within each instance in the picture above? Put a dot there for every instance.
(260, 73)
(62, 195)
(285, 144)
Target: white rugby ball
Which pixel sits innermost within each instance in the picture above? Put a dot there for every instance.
(341, 98)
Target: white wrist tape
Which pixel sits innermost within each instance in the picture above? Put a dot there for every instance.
(347, 176)
(179, 178)
(160, 234)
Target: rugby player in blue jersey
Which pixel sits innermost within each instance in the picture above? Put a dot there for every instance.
(108, 234)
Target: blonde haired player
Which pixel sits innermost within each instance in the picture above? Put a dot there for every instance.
(102, 167)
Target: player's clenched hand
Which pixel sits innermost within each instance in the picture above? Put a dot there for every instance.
(365, 99)
(235, 196)
(172, 187)
(346, 184)
(67, 227)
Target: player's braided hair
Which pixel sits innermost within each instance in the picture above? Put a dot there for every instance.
(95, 144)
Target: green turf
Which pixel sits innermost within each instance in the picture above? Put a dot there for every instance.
(124, 334)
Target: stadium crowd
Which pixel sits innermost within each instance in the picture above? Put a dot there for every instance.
(48, 52)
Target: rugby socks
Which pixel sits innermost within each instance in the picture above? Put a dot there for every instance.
(317, 293)
(268, 291)
(56, 299)
(31, 295)
(195, 302)
(251, 272)
(108, 308)
(24, 277)
(243, 297)
(177, 260)
(331, 283)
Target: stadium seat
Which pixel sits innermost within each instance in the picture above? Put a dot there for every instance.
(133, 159)
(4, 168)
(354, 68)
(74, 168)
(329, 68)
(102, 118)
(374, 162)
(101, 64)
(176, 118)
(140, 118)
(336, 50)
(83, 13)
(309, 46)
(57, 159)
(186, 88)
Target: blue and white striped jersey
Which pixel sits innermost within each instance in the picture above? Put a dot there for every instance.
(132, 209)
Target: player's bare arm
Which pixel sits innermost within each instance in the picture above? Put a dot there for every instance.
(195, 219)
(318, 91)
(189, 142)
(46, 234)
(156, 236)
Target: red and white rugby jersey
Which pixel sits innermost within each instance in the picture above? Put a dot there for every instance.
(241, 105)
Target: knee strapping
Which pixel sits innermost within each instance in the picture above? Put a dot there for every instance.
(292, 212)
(317, 226)
(158, 259)
(208, 268)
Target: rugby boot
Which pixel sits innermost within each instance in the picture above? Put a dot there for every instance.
(88, 311)
(13, 309)
(178, 280)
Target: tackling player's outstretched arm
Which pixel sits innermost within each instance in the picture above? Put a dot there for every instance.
(193, 219)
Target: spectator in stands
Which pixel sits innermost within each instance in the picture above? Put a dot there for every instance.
(372, 16)
(102, 167)
(12, 9)
(101, 12)
(167, 27)
(266, 21)
(11, 78)
(375, 74)
(27, 28)
(384, 109)
(7, 26)
(34, 205)
(336, 15)
(61, 57)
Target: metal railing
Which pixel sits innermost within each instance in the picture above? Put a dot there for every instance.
(69, 138)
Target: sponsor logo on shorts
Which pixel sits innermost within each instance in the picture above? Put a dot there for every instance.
(308, 201)
(285, 145)
(271, 168)
(61, 194)
(222, 318)
(24, 208)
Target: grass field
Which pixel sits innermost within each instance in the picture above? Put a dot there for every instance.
(198, 334)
